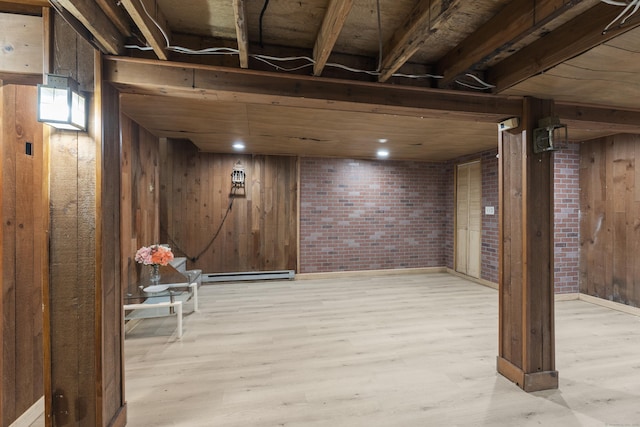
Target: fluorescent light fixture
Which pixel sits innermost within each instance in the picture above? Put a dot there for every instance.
(383, 154)
(238, 146)
(383, 140)
(61, 105)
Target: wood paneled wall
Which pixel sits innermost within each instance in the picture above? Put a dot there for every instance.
(140, 224)
(23, 213)
(260, 231)
(610, 219)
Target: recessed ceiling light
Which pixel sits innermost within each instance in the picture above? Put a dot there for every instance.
(238, 146)
(382, 140)
(383, 153)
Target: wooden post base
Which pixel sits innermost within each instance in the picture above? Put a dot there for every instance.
(529, 382)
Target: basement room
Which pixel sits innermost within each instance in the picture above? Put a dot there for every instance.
(319, 213)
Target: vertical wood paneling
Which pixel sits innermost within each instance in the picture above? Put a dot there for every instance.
(112, 372)
(260, 231)
(8, 362)
(610, 221)
(23, 212)
(140, 186)
(511, 282)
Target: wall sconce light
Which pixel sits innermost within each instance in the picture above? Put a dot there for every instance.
(238, 176)
(61, 105)
(549, 135)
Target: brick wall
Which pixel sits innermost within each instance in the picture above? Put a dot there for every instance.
(566, 218)
(368, 215)
(489, 267)
(365, 215)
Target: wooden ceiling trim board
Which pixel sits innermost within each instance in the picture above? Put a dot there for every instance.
(39, 3)
(227, 84)
(516, 21)
(423, 20)
(117, 15)
(96, 22)
(138, 10)
(332, 24)
(599, 118)
(242, 33)
(569, 40)
(24, 9)
(20, 79)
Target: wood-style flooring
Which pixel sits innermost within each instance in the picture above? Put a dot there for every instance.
(401, 350)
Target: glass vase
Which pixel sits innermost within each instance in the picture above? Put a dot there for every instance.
(154, 276)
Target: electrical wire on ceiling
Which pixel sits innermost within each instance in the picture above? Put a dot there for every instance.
(631, 7)
(264, 9)
(482, 85)
(379, 38)
(271, 60)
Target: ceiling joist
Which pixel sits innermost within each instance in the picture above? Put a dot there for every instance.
(517, 21)
(567, 41)
(425, 18)
(332, 24)
(103, 31)
(227, 84)
(148, 17)
(117, 15)
(242, 33)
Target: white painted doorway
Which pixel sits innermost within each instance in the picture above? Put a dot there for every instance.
(468, 218)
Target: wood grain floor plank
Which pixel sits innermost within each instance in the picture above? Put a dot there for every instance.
(405, 350)
(410, 350)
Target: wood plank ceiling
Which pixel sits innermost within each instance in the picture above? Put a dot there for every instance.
(377, 49)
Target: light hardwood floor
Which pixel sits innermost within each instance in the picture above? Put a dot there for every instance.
(405, 350)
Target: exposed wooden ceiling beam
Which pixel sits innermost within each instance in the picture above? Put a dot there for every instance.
(332, 24)
(151, 22)
(613, 119)
(229, 84)
(425, 18)
(117, 15)
(518, 20)
(242, 33)
(569, 40)
(103, 31)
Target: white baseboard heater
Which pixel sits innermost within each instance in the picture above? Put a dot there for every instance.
(248, 275)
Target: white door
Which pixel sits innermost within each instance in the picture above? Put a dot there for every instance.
(468, 218)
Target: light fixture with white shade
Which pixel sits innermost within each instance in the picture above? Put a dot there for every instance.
(61, 105)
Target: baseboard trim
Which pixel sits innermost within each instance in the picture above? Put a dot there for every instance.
(567, 297)
(365, 273)
(635, 311)
(30, 415)
(477, 280)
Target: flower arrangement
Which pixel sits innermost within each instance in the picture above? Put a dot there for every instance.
(154, 255)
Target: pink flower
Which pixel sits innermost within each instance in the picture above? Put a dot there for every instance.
(154, 254)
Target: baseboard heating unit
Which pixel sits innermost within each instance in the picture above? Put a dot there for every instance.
(248, 275)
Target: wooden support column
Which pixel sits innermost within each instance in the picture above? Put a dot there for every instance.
(526, 336)
(83, 301)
